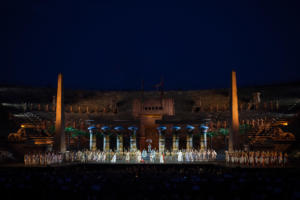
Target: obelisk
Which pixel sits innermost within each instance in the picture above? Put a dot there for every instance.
(59, 141)
(233, 134)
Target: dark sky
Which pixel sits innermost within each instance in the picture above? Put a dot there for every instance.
(114, 45)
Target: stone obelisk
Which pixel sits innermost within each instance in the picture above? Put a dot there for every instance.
(233, 134)
(59, 141)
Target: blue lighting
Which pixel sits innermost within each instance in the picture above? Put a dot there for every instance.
(105, 128)
(132, 128)
(176, 128)
(190, 127)
(91, 128)
(162, 128)
(204, 127)
(119, 128)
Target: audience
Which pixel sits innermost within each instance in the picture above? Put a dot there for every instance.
(93, 181)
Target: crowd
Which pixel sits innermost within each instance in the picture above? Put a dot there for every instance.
(47, 158)
(148, 182)
(6, 156)
(87, 156)
(257, 158)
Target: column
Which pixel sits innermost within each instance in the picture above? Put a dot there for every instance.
(203, 137)
(93, 139)
(133, 142)
(189, 142)
(94, 147)
(161, 142)
(175, 142)
(233, 135)
(120, 143)
(133, 137)
(106, 143)
(59, 138)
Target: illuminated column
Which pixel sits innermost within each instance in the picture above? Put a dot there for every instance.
(133, 142)
(93, 140)
(233, 135)
(175, 141)
(133, 138)
(59, 141)
(175, 138)
(120, 143)
(106, 143)
(203, 137)
(189, 137)
(161, 142)
(189, 141)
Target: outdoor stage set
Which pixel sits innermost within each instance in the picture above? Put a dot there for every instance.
(149, 123)
(152, 135)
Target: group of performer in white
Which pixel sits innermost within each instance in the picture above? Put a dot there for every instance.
(46, 158)
(257, 158)
(138, 156)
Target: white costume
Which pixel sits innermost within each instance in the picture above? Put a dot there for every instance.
(127, 158)
(179, 158)
(161, 160)
(139, 156)
(187, 156)
(114, 158)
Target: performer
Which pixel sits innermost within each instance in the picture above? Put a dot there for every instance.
(26, 159)
(60, 158)
(251, 159)
(267, 159)
(262, 159)
(214, 155)
(191, 156)
(280, 159)
(232, 157)
(208, 154)
(162, 159)
(187, 156)
(139, 156)
(144, 154)
(99, 156)
(179, 158)
(103, 156)
(273, 159)
(114, 158)
(241, 158)
(127, 158)
(152, 156)
(201, 155)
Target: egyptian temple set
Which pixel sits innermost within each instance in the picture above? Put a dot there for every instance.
(233, 118)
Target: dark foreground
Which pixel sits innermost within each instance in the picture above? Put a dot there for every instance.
(148, 182)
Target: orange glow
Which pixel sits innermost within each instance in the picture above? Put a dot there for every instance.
(153, 115)
(39, 142)
(27, 126)
(282, 123)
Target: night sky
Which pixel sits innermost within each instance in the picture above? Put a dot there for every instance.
(114, 45)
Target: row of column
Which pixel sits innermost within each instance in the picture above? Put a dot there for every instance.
(106, 139)
(189, 142)
(175, 142)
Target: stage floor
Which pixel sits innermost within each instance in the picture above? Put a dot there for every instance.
(19, 164)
